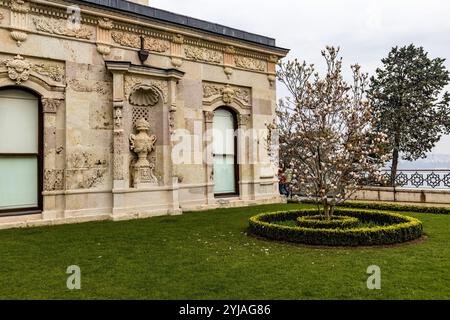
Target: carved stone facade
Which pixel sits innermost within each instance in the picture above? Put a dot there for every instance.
(111, 124)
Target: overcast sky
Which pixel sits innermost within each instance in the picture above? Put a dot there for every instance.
(365, 30)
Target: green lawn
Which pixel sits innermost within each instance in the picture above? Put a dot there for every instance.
(208, 255)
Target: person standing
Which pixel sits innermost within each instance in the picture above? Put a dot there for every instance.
(282, 182)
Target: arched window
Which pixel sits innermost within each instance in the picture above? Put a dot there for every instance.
(225, 153)
(20, 155)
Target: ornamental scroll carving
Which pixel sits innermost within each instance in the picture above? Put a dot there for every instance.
(20, 69)
(203, 54)
(56, 73)
(249, 63)
(227, 92)
(143, 144)
(60, 27)
(134, 41)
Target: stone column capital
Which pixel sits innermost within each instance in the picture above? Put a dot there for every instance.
(209, 116)
(50, 105)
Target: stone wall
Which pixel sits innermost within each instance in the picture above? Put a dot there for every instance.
(424, 196)
(85, 77)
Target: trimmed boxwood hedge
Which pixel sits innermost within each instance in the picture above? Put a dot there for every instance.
(320, 222)
(394, 228)
(389, 207)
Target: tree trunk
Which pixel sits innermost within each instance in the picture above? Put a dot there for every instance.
(395, 157)
(326, 209)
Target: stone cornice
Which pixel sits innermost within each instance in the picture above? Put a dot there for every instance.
(109, 29)
(155, 29)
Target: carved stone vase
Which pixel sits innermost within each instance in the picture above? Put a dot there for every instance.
(143, 144)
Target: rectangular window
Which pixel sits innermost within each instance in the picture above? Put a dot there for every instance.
(224, 174)
(19, 151)
(224, 149)
(18, 182)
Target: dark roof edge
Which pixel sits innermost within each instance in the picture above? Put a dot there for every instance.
(135, 9)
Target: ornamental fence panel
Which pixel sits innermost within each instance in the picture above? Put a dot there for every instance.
(423, 178)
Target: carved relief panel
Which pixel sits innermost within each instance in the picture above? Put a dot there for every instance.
(20, 68)
(227, 93)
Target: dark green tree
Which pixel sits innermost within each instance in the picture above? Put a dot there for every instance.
(409, 103)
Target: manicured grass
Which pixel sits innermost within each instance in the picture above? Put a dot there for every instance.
(209, 256)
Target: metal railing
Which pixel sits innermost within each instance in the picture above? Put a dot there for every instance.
(423, 178)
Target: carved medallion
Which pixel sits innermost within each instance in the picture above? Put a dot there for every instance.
(18, 69)
(227, 94)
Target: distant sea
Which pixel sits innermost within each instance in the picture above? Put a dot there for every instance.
(434, 161)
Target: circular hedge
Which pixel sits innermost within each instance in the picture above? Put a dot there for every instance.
(384, 228)
(321, 222)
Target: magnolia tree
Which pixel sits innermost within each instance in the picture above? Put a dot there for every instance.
(325, 131)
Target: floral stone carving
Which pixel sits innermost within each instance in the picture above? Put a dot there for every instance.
(18, 69)
(60, 27)
(203, 54)
(143, 144)
(249, 63)
(134, 41)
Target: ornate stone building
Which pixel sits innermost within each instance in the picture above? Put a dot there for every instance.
(98, 99)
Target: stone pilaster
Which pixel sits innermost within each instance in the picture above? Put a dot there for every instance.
(53, 179)
(104, 27)
(176, 50)
(272, 69)
(228, 61)
(244, 156)
(119, 171)
(209, 157)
